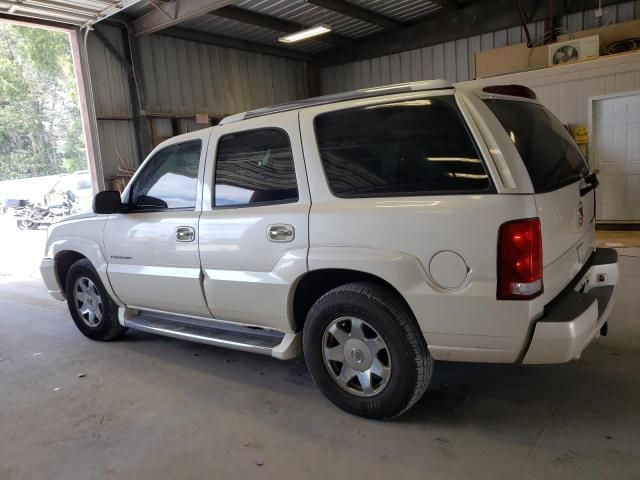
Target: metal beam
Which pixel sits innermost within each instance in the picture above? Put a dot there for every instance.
(16, 7)
(475, 19)
(273, 23)
(40, 21)
(448, 4)
(219, 40)
(172, 13)
(354, 11)
(112, 49)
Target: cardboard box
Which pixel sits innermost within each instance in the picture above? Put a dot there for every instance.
(519, 58)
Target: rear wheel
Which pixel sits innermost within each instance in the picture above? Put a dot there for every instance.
(92, 309)
(366, 352)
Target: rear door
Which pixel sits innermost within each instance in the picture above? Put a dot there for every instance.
(254, 223)
(557, 169)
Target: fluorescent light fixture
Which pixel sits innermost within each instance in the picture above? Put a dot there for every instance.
(306, 33)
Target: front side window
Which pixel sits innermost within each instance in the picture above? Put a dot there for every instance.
(255, 167)
(169, 179)
(412, 147)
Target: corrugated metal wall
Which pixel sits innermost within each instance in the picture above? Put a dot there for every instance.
(181, 78)
(110, 88)
(454, 61)
(178, 79)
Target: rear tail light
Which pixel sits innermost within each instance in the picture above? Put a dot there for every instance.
(520, 260)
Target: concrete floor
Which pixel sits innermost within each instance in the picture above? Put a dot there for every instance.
(150, 408)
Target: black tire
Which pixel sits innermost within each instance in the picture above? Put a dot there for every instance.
(411, 363)
(27, 225)
(107, 328)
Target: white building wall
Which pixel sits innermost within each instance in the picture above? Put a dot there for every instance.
(566, 89)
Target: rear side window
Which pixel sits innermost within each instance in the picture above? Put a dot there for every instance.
(413, 147)
(550, 155)
(255, 167)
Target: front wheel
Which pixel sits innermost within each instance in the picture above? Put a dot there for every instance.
(366, 352)
(92, 309)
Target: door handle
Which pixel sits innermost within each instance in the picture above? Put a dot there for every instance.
(185, 234)
(280, 233)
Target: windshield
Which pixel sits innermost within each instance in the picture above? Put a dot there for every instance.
(552, 158)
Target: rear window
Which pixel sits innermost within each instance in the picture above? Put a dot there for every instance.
(552, 158)
(412, 147)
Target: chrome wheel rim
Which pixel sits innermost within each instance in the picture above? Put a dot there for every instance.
(88, 301)
(356, 356)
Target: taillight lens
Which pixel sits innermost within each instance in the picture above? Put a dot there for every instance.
(520, 260)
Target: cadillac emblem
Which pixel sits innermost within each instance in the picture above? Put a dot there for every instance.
(580, 214)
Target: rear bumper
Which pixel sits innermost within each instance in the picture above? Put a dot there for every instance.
(50, 279)
(576, 316)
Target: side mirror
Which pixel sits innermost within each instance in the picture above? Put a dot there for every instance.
(108, 201)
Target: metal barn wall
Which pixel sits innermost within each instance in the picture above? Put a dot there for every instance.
(454, 61)
(112, 103)
(178, 79)
(182, 78)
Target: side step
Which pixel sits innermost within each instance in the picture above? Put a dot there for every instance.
(283, 346)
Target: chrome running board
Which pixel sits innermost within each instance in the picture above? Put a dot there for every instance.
(216, 333)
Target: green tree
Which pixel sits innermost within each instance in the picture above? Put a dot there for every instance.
(40, 125)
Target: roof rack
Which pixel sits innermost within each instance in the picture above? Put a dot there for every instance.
(341, 97)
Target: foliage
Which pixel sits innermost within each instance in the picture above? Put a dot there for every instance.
(40, 129)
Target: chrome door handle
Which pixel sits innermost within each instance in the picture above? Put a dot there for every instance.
(185, 234)
(280, 233)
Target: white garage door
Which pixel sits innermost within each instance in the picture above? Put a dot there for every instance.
(616, 153)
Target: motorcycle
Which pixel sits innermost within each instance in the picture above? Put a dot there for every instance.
(56, 206)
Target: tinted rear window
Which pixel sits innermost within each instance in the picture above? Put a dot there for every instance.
(413, 147)
(255, 167)
(546, 147)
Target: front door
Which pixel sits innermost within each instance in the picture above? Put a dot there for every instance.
(152, 250)
(253, 228)
(616, 153)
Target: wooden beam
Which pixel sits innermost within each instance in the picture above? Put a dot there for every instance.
(172, 13)
(219, 40)
(273, 23)
(313, 80)
(354, 11)
(475, 19)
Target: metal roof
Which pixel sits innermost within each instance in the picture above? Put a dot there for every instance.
(70, 12)
(341, 97)
(244, 31)
(400, 10)
(304, 13)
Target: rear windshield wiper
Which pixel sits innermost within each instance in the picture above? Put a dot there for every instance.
(592, 182)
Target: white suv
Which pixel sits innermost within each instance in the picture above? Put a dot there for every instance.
(375, 231)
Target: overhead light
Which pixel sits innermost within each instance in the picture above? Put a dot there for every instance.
(306, 33)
